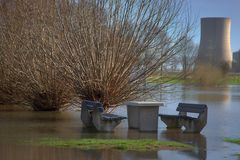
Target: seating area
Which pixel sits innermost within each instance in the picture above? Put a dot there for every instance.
(144, 117)
(191, 124)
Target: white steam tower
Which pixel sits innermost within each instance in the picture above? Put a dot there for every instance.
(215, 49)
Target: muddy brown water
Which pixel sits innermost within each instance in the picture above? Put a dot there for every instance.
(223, 121)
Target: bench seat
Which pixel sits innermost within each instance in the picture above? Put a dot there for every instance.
(111, 117)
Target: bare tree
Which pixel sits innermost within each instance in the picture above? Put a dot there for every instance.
(8, 94)
(27, 42)
(110, 48)
(105, 49)
(188, 58)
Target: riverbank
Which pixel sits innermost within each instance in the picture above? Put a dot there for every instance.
(231, 79)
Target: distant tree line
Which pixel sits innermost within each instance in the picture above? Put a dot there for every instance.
(236, 61)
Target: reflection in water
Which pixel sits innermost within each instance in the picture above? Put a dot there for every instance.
(15, 125)
(210, 94)
(135, 134)
(15, 152)
(140, 155)
(198, 141)
(177, 93)
(25, 126)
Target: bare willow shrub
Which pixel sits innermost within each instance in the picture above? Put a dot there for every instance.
(113, 47)
(8, 94)
(28, 46)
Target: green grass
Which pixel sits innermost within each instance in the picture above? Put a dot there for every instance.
(230, 79)
(169, 80)
(233, 140)
(121, 144)
(233, 79)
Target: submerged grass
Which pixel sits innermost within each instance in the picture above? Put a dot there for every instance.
(233, 140)
(121, 144)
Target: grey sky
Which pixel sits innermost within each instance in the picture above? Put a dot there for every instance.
(219, 8)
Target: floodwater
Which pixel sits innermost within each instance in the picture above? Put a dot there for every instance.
(223, 121)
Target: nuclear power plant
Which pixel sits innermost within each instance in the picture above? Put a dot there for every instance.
(215, 49)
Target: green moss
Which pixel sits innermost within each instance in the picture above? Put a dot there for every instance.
(121, 144)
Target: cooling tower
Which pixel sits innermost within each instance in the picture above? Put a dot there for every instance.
(215, 49)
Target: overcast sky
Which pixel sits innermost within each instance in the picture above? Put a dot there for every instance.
(219, 8)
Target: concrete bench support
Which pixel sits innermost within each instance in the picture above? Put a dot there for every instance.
(172, 121)
(105, 122)
(191, 124)
(92, 115)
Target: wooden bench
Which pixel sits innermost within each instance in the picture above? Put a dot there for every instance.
(191, 124)
(92, 115)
